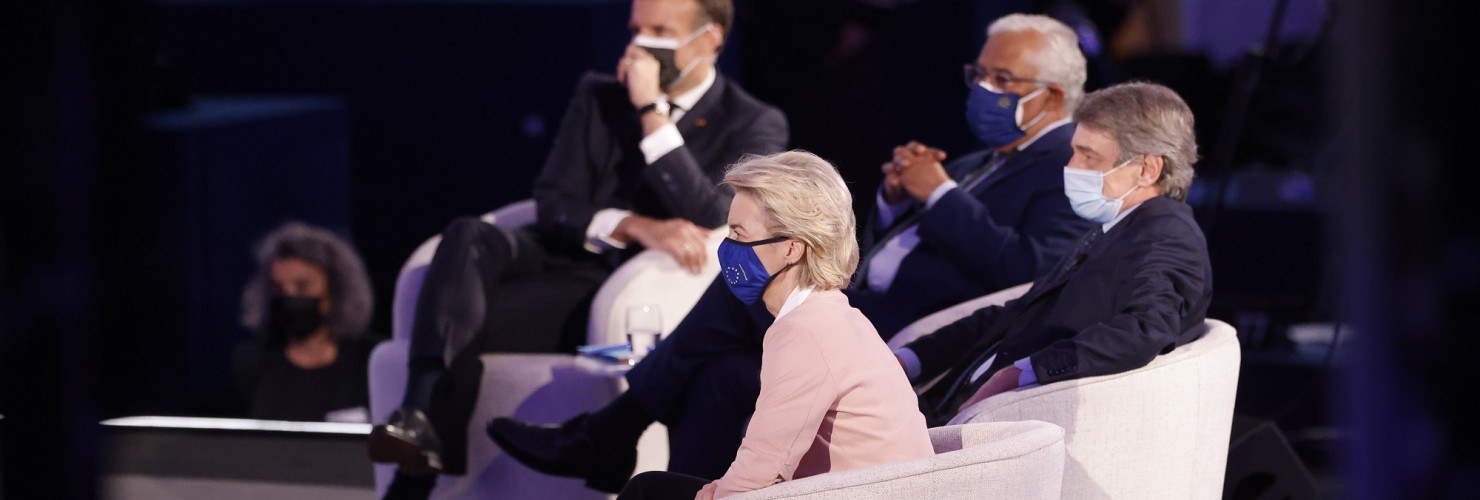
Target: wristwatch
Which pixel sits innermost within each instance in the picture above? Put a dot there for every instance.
(660, 106)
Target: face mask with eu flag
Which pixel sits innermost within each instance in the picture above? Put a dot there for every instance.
(994, 115)
(742, 269)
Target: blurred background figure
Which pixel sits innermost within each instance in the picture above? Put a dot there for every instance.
(136, 138)
(309, 307)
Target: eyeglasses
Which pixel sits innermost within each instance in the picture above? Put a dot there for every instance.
(998, 78)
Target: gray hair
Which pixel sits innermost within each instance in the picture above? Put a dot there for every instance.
(1058, 60)
(350, 299)
(1146, 118)
(804, 199)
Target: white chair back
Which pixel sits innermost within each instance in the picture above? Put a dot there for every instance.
(1159, 431)
(536, 387)
(997, 460)
(949, 315)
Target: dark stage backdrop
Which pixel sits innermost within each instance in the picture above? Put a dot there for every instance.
(449, 108)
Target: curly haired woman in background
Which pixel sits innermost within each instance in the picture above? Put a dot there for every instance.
(309, 307)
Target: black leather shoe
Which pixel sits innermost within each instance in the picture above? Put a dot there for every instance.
(565, 450)
(407, 439)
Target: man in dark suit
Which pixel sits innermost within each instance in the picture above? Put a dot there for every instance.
(1137, 286)
(941, 235)
(637, 163)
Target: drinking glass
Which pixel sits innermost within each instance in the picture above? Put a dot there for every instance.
(644, 330)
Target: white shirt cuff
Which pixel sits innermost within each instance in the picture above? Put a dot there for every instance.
(1028, 376)
(599, 232)
(660, 142)
(911, 362)
(940, 191)
(887, 212)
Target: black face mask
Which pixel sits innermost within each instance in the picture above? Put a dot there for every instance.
(664, 49)
(294, 318)
(668, 72)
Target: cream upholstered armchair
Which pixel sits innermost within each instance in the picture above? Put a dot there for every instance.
(1006, 460)
(943, 317)
(535, 387)
(1159, 431)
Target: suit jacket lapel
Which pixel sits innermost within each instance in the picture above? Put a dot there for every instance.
(1015, 163)
(708, 108)
(1067, 267)
(1020, 161)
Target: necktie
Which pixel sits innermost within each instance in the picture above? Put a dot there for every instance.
(1082, 251)
(967, 181)
(963, 386)
(949, 400)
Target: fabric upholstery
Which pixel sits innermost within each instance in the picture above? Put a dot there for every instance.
(545, 388)
(1160, 431)
(948, 315)
(1006, 460)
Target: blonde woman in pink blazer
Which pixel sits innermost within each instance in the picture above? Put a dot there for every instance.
(832, 395)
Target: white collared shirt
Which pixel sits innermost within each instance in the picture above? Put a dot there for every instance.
(656, 145)
(1105, 228)
(884, 265)
(794, 299)
(912, 361)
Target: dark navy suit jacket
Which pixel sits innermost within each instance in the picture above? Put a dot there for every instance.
(1113, 305)
(1004, 231)
(595, 162)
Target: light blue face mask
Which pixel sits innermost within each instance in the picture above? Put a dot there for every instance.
(1086, 191)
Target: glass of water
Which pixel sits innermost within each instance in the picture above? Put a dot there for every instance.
(644, 330)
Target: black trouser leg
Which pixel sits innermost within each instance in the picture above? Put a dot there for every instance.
(718, 325)
(720, 399)
(451, 308)
(452, 312)
(659, 485)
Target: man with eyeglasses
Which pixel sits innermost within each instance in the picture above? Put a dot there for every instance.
(637, 163)
(1137, 286)
(993, 218)
(942, 234)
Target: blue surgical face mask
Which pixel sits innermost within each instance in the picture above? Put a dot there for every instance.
(994, 115)
(742, 268)
(1086, 191)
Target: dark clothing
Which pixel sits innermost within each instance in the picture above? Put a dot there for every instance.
(718, 325)
(662, 485)
(272, 388)
(707, 431)
(977, 239)
(1117, 302)
(492, 289)
(596, 162)
(486, 302)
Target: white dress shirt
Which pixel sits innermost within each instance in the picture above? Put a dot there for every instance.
(655, 146)
(884, 264)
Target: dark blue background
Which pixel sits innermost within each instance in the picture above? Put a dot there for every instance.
(129, 213)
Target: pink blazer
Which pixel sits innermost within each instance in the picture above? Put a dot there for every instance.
(833, 397)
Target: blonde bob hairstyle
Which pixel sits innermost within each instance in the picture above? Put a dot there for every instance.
(804, 199)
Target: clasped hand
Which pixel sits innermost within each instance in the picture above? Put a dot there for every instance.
(915, 172)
